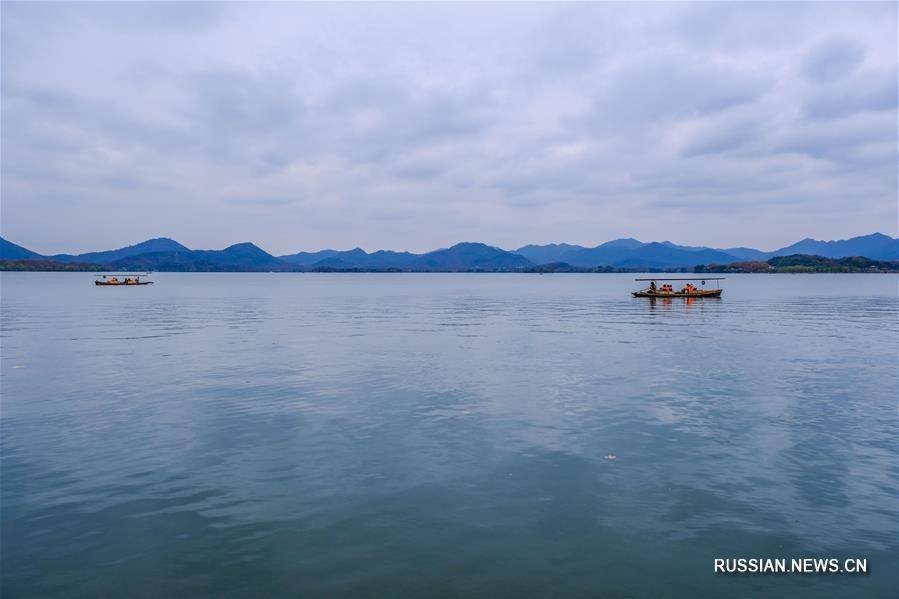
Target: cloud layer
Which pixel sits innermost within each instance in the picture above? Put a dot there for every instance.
(407, 126)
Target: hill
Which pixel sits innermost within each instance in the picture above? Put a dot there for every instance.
(619, 254)
(309, 258)
(470, 256)
(160, 244)
(876, 246)
(630, 253)
(546, 254)
(361, 260)
(11, 251)
(241, 257)
(747, 253)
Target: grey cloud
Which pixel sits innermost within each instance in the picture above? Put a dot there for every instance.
(717, 25)
(189, 18)
(299, 125)
(65, 141)
(264, 201)
(723, 138)
(569, 42)
(239, 103)
(833, 59)
(398, 121)
(419, 171)
(39, 109)
(673, 88)
(844, 142)
(255, 121)
(874, 92)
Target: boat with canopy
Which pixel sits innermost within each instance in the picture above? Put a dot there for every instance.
(128, 279)
(664, 289)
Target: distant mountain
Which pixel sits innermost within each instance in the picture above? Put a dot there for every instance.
(630, 253)
(657, 255)
(470, 256)
(545, 254)
(634, 254)
(166, 254)
(11, 251)
(308, 258)
(876, 246)
(390, 259)
(246, 254)
(686, 248)
(628, 243)
(358, 258)
(747, 253)
(463, 256)
(348, 259)
(610, 253)
(160, 244)
(240, 257)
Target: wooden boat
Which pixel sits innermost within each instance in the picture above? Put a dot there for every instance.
(107, 280)
(697, 293)
(655, 291)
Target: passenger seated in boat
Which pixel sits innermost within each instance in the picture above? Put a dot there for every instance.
(652, 287)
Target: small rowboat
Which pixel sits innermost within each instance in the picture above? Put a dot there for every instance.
(656, 291)
(107, 280)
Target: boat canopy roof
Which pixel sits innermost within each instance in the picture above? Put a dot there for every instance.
(682, 279)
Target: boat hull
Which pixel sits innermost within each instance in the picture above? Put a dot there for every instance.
(702, 293)
(108, 284)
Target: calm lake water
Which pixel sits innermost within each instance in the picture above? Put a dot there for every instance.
(444, 435)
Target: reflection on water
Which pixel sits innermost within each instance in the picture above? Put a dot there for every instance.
(271, 434)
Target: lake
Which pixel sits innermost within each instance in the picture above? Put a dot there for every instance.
(435, 435)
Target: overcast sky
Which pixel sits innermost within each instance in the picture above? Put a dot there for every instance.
(415, 126)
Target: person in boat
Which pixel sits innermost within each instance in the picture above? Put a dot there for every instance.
(652, 287)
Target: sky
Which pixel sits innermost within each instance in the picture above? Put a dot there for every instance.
(409, 126)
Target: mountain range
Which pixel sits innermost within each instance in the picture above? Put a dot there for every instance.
(163, 254)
